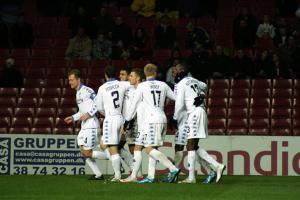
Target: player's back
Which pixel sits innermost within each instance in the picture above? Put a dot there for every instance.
(189, 88)
(154, 95)
(111, 96)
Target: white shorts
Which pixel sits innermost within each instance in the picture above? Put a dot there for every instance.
(196, 126)
(154, 134)
(88, 138)
(111, 129)
(181, 134)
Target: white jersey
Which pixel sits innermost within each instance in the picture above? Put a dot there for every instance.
(153, 94)
(186, 92)
(85, 101)
(110, 97)
(128, 98)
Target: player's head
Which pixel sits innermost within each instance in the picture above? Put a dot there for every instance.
(136, 76)
(74, 77)
(150, 70)
(181, 71)
(110, 72)
(124, 74)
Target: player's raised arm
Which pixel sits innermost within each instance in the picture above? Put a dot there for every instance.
(170, 93)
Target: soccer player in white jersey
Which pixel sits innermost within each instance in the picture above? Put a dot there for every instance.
(135, 133)
(88, 135)
(109, 102)
(153, 93)
(190, 98)
(181, 137)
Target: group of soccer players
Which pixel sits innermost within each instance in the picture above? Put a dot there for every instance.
(133, 110)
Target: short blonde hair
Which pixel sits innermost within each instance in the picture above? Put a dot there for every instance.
(150, 70)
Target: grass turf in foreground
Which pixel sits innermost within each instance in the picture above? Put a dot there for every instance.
(78, 187)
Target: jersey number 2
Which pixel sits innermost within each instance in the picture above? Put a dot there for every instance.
(115, 95)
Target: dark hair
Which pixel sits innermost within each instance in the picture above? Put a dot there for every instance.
(75, 72)
(139, 72)
(184, 66)
(110, 71)
(125, 68)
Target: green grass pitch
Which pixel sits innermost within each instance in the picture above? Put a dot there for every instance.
(78, 187)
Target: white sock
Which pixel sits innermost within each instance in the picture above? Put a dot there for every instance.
(191, 166)
(204, 164)
(116, 162)
(151, 168)
(99, 155)
(92, 164)
(157, 155)
(127, 157)
(178, 157)
(205, 156)
(107, 153)
(137, 160)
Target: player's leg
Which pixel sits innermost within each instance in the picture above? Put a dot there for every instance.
(86, 140)
(192, 145)
(111, 133)
(202, 132)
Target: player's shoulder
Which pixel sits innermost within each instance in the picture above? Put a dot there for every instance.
(87, 89)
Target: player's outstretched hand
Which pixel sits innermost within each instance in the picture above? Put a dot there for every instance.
(84, 117)
(68, 120)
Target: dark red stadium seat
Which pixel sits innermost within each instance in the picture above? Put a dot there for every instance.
(65, 112)
(33, 83)
(19, 130)
(281, 127)
(48, 102)
(43, 43)
(29, 92)
(281, 92)
(296, 126)
(237, 126)
(5, 123)
(20, 53)
(260, 102)
(45, 112)
(239, 92)
(63, 131)
(54, 83)
(24, 112)
(41, 130)
(56, 72)
(58, 53)
(238, 102)
(282, 102)
(67, 103)
(98, 64)
(218, 93)
(96, 72)
(27, 102)
(7, 102)
(283, 83)
(261, 92)
(280, 113)
(39, 63)
(68, 93)
(217, 102)
(61, 43)
(259, 126)
(237, 113)
(140, 63)
(59, 123)
(6, 112)
(259, 113)
(43, 122)
(35, 73)
(50, 92)
(216, 126)
(216, 113)
(219, 83)
(262, 83)
(9, 92)
(21, 122)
